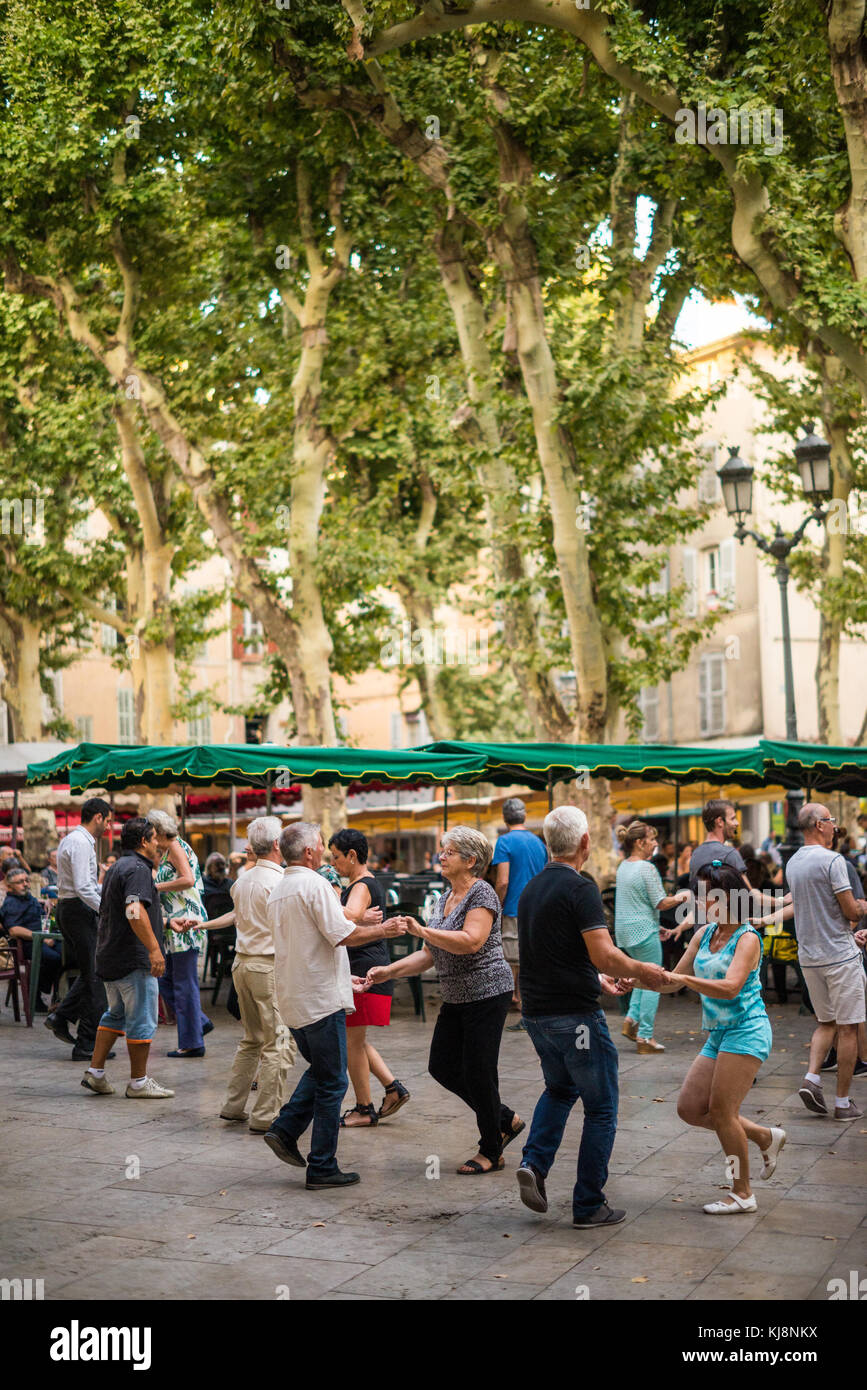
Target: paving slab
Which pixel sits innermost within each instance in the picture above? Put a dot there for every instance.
(213, 1214)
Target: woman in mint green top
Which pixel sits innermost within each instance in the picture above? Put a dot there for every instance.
(639, 898)
(721, 963)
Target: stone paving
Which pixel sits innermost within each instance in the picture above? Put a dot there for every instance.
(213, 1214)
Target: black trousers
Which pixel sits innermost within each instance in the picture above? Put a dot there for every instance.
(86, 1001)
(464, 1052)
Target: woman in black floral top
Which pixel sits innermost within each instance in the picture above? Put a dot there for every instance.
(463, 940)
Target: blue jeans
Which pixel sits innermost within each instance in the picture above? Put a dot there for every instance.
(133, 1003)
(319, 1094)
(578, 1059)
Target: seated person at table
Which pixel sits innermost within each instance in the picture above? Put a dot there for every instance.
(20, 917)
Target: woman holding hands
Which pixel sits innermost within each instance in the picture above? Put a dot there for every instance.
(463, 941)
(721, 963)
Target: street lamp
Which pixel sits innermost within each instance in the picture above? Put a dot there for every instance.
(813, 459)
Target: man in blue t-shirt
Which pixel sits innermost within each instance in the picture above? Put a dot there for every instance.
(518, 857)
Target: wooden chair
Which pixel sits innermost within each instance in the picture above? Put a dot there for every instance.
(15, 969)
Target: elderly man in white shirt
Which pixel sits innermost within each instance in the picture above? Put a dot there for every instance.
(314, 993)
(79, 895)
(267, 1044)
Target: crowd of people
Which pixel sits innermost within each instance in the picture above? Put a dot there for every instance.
(520, 925)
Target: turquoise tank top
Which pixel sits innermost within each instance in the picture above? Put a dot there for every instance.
(727, 1013)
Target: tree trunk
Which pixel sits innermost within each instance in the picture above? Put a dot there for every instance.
(20, 641)
(833, 556)
(512, 247)
(499, 488)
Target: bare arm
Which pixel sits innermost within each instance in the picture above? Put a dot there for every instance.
(184, 874)
(358, 907)
(610, 960)
(392, 926)
(416, 964)
(468, 941)
(684, 964)
(501, 887)
(140, 922)
(746, 958)
(227, 920)
(853, 908)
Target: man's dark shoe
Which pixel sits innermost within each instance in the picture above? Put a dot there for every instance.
(519, 1027)
(41, 1008)
(830, 1062)
(84, 1054)
(860, 1068)
(602, 1216)
(335, 1179)
(285, 1149)
(532, 1188)
(60, 1028)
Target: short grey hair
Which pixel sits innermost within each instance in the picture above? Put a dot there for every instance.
(164, 823)
(514, 811)
(564, 828)
(810, 815)
(262, 832)
(298, 837)
(471, 844)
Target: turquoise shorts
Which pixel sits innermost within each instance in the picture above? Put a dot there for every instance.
(752, 1038)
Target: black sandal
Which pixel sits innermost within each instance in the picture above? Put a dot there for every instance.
(513, 1134)
(472, 1169)
(360, 1110)
(402, 1095)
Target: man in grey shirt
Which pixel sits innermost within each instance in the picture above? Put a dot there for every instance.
(721, 822)
(79, 893)
(826, 914)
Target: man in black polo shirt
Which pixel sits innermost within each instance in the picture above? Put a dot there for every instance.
(130, 958)
(564, 947)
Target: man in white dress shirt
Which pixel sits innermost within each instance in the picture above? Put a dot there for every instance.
(79, 894)
(314, 994)
(267, 1040)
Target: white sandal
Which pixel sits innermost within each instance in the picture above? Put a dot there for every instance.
(772, 1153)
(733, 1207)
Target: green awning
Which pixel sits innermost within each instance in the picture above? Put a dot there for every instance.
(820, 767)
(55, 769)
(261, 765)
(533, 764)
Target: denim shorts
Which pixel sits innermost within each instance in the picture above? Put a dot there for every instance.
(752, 1038)
(133, 1003)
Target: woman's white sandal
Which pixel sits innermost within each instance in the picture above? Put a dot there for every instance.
(733, 1207)
(771, 1154)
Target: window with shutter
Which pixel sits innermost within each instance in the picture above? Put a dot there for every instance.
(396, 729)
(727, 552)
(689, 564)
(199, 728)
(84, 728)
(711, 694)
(648, 703)
(125, 717)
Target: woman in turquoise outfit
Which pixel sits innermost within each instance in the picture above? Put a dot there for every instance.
(179, 884)
(722, 964)
(638, 900)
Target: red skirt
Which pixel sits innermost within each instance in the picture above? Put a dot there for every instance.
(373, 1009)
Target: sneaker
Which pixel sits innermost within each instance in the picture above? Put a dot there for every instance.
(519, 1027)
(648, 1045)
(830, 1062)
(98, 1084)
(335, 1179)
(813, 1097)
(602, 1216)
(224, 1116)
(532, 1188)
(860, 1068)
(285, 1149)
(151, 1090)
(630, 1028)
(845, 1113)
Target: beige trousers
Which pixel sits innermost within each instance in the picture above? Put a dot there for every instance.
(267, 1045)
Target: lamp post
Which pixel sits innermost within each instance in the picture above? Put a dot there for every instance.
(813, 460)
